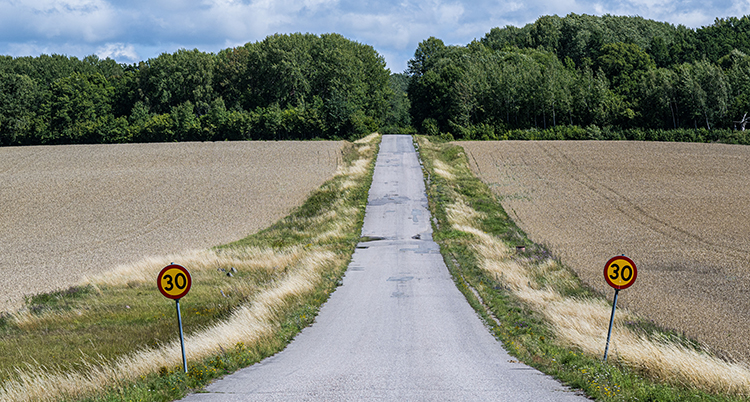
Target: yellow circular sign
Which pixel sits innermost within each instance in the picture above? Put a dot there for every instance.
(174, 281)
(620, 272)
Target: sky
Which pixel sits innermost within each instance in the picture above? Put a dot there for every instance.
(136, 30)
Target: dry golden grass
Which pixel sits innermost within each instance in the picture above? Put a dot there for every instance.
(678, 210)
(582, 323)
(443, 170)
(248, 324)
(72, 211)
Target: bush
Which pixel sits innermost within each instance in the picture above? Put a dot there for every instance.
(186, 124)
(362, 124)
(237, 126)
(594, 132)
(481, 131)
(430, 127)
(158, 128)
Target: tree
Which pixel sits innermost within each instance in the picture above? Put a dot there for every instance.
(428, 51)
(173, 79)
(702, 89)
(75, 101)
(398, 117)
(623, 61)
(186, 124)
(19, 96)
(232, 79)
(659, 51)
(658, 95)
(289, 72)
(545, 33)
(592, 100)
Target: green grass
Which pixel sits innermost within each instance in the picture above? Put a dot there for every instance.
(68, 332)
(524, 331)
(92, 325)
(172, 383)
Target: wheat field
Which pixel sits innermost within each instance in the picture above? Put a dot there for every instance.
(680, 211)
(68, 212)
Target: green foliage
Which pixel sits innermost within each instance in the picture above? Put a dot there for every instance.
(18, 108)
(430, 126)
(186, 123)
(171, 80)
(623, 63)
(594, 132)
(342, 86)
(62, 300)
(582, 37)
(725, 34)
(158, 128)
(616, 73)
(298, 86)
(476, 92)
(46, 69)
(398, 119)
(77, 105)
(579, 70)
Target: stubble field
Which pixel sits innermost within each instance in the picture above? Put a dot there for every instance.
(680, 211)
(67, 212)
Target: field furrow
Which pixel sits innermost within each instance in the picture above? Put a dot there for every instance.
(681, 211)
(71, 211)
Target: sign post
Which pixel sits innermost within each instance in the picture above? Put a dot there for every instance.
(619, 272)
(174, 282)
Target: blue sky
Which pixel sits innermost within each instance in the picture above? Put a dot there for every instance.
(130, 31)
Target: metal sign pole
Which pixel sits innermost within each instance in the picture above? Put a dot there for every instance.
(182, 338)
(611, 321)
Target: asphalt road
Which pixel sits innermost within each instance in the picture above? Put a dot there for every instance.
(397, 329)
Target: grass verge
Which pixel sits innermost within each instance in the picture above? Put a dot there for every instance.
(114, 337)
(546, 316)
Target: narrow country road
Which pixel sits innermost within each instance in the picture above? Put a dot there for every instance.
(397, 329)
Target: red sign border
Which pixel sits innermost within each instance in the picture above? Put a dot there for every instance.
(187, 275)
(632, 264)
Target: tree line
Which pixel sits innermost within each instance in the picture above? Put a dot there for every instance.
(298, 86)
(601, 77)
(572, 77)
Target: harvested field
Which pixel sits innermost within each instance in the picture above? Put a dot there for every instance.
(72, 211)
(680, 211)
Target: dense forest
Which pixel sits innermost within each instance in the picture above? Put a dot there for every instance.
(298, 86)
(577, 76)
(587, 77)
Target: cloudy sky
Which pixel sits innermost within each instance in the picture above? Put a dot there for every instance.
(134, 30)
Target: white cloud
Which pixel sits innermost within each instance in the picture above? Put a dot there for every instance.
(82, 20)
(741, 7)
(449, 13)
(695, 18)
(238, 21)
(318, 4)
(128, 29)
(118, 51)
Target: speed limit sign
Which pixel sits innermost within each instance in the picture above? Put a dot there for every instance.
(620, 272)
(174, 281)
